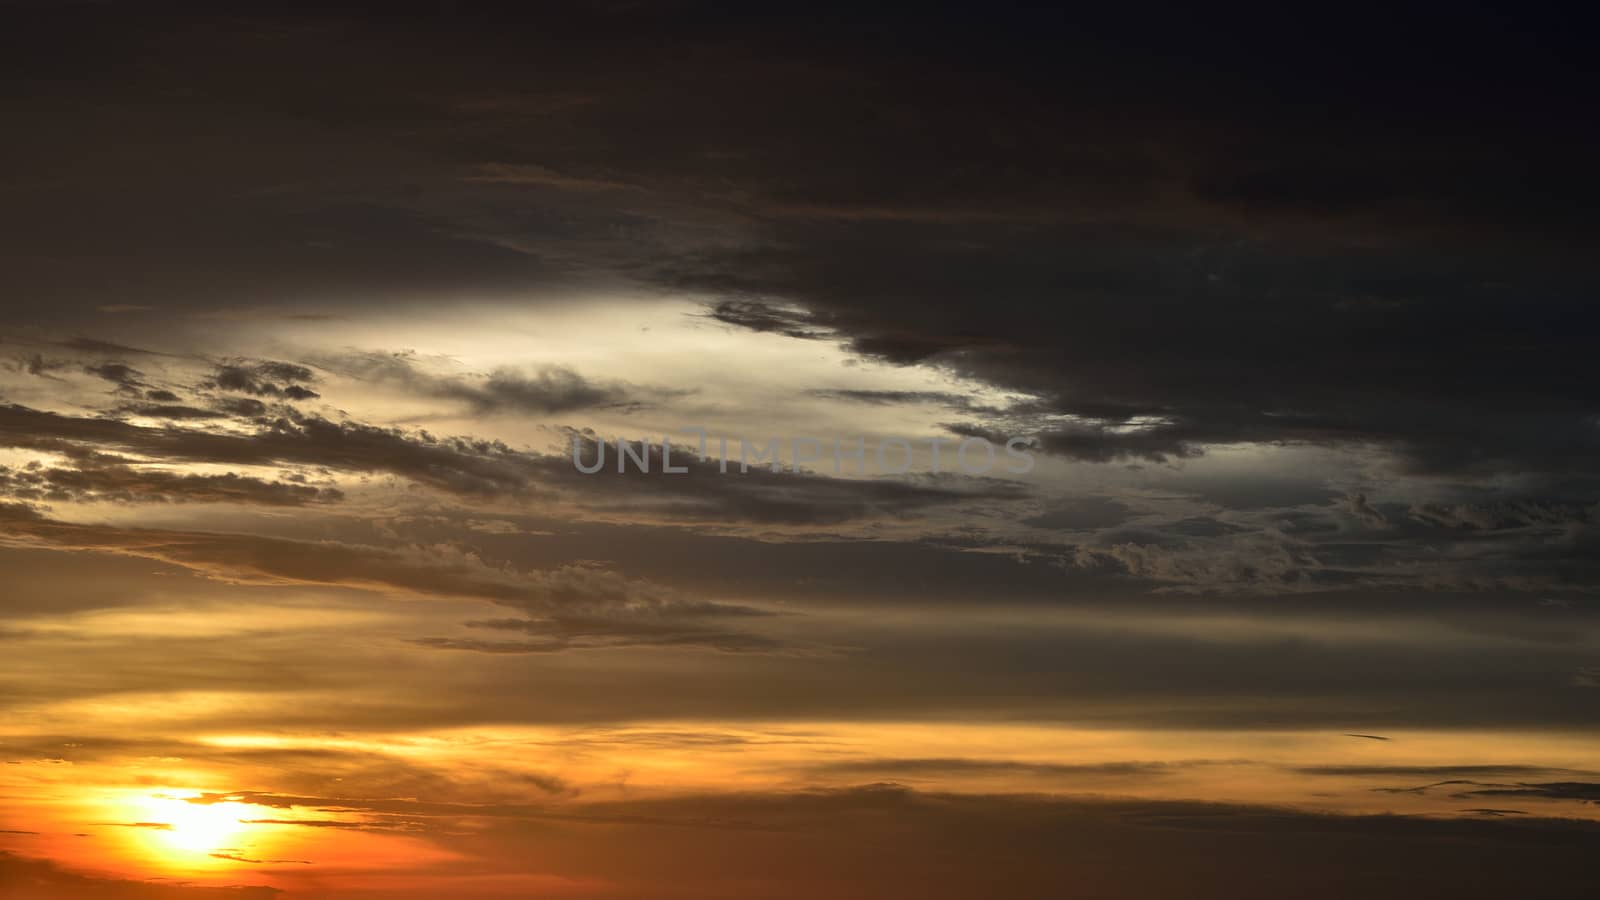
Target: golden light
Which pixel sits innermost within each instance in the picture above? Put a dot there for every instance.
(183, 826)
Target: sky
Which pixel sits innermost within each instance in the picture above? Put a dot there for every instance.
(311, 320)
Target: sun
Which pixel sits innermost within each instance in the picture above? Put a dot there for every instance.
(184, 826)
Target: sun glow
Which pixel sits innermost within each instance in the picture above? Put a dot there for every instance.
(184, 826)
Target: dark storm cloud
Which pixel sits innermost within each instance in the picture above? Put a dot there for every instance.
(1142, 223)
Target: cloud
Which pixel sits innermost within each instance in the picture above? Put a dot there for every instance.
(234, 857)
(169, 411)
(800, 843)
(935, 768)
(935, 845)
(454, 465)
(547, 389)
(553, 389)
(265, 379)
(893, 398)
(1196, 243)
(1358, 507)
(107, 348)
(1082, 513)
(476, 467)
(96, 479)
(1446, 772)
(1158, 291)
(573, 606)
(1210, 364)
(758, 315)
(39, 879)
(123, 376)
(1579, 791)
(562, 634)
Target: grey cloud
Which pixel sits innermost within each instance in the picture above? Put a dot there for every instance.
(106, 348)
(552, 389)
(893, 398)
(548, 389)
(1358, 507)
(561, 635)
(100, 480)
(244, 407)
(1542, 545)
(476, 467)
(265, 379)
(578, 606)
(703, 493)
(123, 376)
(763, 316)
(1506, 514)
(455, 465)
(1082, 513)
(169, 411)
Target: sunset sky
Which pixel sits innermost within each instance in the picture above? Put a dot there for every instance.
(302, 314)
